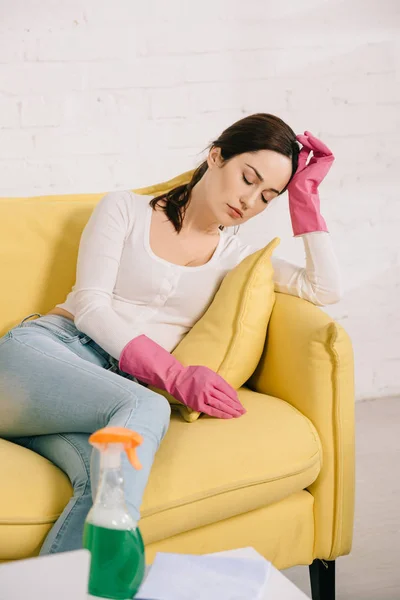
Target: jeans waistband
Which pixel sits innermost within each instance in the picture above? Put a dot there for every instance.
(61, 322)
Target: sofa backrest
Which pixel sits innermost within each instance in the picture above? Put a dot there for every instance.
(39, 240)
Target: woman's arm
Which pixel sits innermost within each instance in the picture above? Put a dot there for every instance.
(99, 258)
(319, 282)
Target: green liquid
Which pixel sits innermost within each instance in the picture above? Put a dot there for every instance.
(117, 564)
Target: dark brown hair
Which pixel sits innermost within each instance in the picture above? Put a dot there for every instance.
(261, 131)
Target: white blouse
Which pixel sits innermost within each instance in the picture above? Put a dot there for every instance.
(123, 289)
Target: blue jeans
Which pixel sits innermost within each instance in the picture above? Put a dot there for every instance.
(57, 386)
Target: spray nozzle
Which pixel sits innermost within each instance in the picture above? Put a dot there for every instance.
(107, 436)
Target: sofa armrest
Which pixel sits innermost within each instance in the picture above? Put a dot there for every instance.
(308, 362)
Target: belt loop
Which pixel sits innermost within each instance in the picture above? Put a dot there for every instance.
(30, 317)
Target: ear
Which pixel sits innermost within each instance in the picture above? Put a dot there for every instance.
(214, 158)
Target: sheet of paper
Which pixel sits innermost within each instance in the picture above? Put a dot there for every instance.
(251, 553)
(247, 552)
(208, 577)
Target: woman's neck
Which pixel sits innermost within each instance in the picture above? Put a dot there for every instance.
(198, 217)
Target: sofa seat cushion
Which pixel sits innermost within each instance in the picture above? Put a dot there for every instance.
(34, 493)
(211, 470)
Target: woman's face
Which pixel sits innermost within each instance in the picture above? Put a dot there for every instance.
(242, 187)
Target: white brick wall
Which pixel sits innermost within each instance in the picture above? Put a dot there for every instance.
(98, 95)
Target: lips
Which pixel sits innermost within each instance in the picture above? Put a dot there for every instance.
(236, 210)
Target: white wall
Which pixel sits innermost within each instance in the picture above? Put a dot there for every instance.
(98, 95)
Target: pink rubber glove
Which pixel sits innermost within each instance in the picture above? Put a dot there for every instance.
(197, 387)
(304, 203)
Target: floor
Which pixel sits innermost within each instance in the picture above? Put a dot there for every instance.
(372, 570)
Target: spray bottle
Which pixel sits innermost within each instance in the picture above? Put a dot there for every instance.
(110, 534)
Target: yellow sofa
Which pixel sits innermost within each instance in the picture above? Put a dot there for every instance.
(280, 479)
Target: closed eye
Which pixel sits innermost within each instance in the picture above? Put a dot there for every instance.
(250, 183)
(246, 180)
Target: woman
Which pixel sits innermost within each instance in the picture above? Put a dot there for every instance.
(147, 270)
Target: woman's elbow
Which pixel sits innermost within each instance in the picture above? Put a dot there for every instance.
(330, 295)
(89, 307)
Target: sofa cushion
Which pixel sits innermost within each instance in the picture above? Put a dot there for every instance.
(34, 493)
(213, 469)
(39, 240)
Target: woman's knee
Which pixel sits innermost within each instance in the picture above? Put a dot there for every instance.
(159, 404)
(145, 410)
(160, 413)
(141, 398)
(160, 407)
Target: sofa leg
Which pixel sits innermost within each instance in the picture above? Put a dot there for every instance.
(322, 577)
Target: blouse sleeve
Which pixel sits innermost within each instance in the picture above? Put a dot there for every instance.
(99, 259)
(319, 281)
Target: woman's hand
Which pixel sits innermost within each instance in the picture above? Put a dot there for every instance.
(199, 387)
(204, 390)
(304, 202)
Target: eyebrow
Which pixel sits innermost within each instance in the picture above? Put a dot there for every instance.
(262, 178)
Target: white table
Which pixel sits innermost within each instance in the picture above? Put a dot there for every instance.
(64, 577)
(281, 588)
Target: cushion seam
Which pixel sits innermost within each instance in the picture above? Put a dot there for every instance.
(311, 429)
(217, 492)
(195, 527)
(23, 522)
(338, 471)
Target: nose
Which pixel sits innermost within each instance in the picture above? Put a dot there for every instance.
(248, 202)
